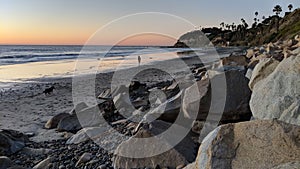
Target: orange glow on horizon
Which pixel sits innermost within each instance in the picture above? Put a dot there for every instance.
(38, 36)
(148, 39)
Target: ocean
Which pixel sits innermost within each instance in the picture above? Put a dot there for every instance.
(22, 62)
(17, 54)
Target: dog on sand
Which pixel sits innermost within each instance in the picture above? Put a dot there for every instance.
(49, 90)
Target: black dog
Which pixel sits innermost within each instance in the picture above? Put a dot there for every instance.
(49, 90)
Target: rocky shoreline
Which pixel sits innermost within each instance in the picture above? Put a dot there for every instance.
(254, 124)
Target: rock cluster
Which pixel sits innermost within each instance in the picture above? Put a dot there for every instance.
(264, 83)
(272, 139)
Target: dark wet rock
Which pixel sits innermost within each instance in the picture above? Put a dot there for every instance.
(5, 162)
(197, 101)
(11, 141)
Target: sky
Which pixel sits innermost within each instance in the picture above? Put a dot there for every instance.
(72, 22)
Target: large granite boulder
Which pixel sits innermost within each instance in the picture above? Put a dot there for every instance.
(278, 95)
(262, 70)
(148, 142)
(89, 117)
(53, 122)
(11, 142)
(255, 144)
(234, 94)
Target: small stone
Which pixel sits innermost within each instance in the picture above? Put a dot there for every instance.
(84, 158)
(61, 167)
(45, 164)
(103, 166)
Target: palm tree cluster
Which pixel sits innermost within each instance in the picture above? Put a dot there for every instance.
(244, 25)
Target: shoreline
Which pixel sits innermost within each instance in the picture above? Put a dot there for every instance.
(27, 109)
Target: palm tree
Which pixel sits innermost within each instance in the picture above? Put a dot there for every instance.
(222, 24)
(244, 23)
(277, 9)
(255, 19)
(290, 7)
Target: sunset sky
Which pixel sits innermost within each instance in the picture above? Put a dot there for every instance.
(75, 21)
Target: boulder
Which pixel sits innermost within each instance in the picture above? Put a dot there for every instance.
(250, 53)
(248, 74)
(235, 96)
(11, 141)
(296, 51)
(104, 135)
(179, 155)
(5, 162)
(234, 61)
(53, 122)
(252, 64)
(69, 124)
(88, 117)
(167, 111)
(105, 95)
(79, 107)
(278, 95)
(255, 144)
(262, 70)
(290, 165)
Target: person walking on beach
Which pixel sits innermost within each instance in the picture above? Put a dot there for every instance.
(139, 60)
